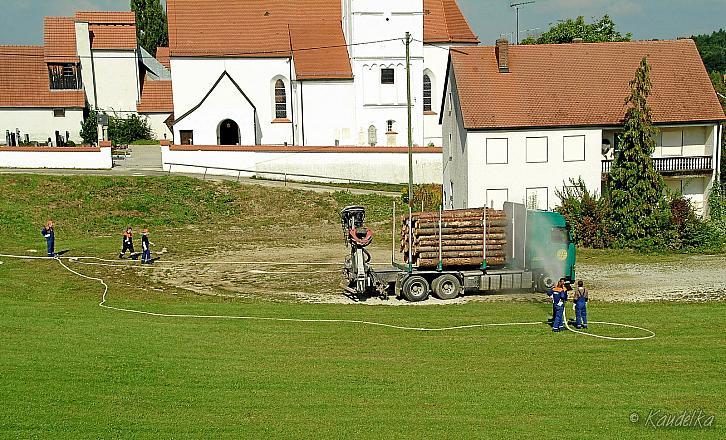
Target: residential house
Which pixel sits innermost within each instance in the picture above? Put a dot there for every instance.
(520, 121)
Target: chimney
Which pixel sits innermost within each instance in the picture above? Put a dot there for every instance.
(577, 40)
(502, 52)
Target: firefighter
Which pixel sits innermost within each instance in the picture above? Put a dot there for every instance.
(127, 243)
(559, 298)
(581, 298)
(145, 247)
(49, 234)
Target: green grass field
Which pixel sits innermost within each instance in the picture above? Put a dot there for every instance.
(71, 369)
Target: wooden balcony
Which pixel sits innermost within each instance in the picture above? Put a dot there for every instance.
(675, 166)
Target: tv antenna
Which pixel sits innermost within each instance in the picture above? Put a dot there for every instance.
(516, 6)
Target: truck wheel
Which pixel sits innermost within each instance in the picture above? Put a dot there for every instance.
(447, 287)
(415, 288)
(545, 283)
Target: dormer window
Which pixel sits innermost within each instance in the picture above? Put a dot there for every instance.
(64, 76)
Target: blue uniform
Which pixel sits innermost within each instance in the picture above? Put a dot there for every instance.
(146, 250)
(559, 298)
(581, 299)
(49, 240)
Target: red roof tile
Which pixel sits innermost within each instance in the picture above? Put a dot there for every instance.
(162, 56)
(330, 63)
(106, 17)
(112, 36)
(60, 40)
(156, 97)
(580, 84)
(445, 23)
(24, 81)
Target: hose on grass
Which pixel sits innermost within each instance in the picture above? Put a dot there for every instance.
(104, 298)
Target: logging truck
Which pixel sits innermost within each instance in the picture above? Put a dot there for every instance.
(449, 253)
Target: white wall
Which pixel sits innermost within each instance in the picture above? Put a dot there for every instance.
(194, 77)
(517, 175)
(376, 103)
(375, 167)
(40, 124)
(56, 158)
(117, 80)
(157, 122)
(328, 113)
(455, 169)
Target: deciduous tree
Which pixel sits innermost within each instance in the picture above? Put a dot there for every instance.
(600, 31)
(151, 24)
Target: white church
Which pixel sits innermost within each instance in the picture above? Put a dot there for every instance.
(309, 72)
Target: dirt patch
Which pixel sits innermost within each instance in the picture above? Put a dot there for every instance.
(294, 278)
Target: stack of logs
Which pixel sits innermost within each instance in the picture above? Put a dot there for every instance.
(462, 238)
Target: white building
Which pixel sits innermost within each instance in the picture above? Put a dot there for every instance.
(89, 61)
(310, 72)
(519, 122)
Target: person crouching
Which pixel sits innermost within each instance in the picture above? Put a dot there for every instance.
(581, 298)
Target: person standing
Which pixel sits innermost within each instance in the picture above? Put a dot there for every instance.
(559, 298)
(145, 247)
(127, 243)
(581, 298)
(49, 233)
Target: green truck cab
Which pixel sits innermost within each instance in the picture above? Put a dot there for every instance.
(550, 251)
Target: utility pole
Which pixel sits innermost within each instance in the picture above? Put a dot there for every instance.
(410, 118)
(516, 6)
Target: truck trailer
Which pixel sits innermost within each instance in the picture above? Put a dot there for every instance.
(462, 251)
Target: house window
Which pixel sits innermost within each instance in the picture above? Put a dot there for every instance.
(537, 150)
(497, 197)
(427, 93)
(280, 100)
(390, 125)
(497, 151)
(388, 76)
(187, 137)
(573, 149)
(59, 113)
(538, 198)
(672, 142)
(64, 76)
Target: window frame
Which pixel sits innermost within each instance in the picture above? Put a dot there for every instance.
(428, 107)
(547, 195)
(385, 80)
(584, 148)
(486, 152)
(59, 113)
(183, 134)
(547, 149)
(486, 202)
(280, 99)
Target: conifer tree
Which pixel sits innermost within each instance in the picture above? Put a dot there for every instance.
(636, 190)
(151, 24)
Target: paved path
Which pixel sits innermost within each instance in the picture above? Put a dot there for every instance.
(146, 161)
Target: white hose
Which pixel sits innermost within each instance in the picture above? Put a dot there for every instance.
(317, 321)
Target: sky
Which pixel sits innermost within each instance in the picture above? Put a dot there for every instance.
(22, 20)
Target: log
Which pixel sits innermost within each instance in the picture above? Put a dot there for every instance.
(458, 224)
(497, 247)
(447, 255)
(460, 262)
(456, 231)
(459, 213)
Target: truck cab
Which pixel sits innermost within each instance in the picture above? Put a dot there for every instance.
(550, 251)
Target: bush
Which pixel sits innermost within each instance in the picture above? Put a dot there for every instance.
(430, 195)
(89, 128)
(585, 212)
(121, 131)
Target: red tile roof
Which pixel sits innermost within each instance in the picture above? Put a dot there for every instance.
(162, 56)
(112, 36)
(212, 28)
(24, 81)
(330, 63)
(156, 97)
(106, 17)
(445, 23)
(580, 84)
(60, 40)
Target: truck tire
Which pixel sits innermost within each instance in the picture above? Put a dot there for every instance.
(415, 288)
(447, 287)
(545, 283)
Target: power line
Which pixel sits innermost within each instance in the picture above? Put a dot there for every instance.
(225, 54)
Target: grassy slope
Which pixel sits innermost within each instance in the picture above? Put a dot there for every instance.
(71, 369)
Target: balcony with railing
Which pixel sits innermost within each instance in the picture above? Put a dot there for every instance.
(675, 166)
